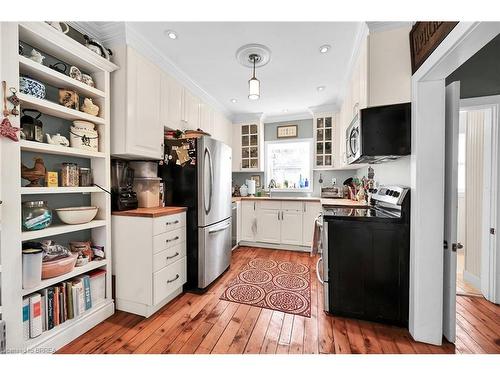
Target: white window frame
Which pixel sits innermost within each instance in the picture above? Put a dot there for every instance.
(310, 188)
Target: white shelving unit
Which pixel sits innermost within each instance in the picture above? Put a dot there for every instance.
(49, 41)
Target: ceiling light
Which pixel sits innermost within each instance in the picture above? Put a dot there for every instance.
(254, 83)
(324, 48)
(234, 100)
(320, 88)
(171, 34)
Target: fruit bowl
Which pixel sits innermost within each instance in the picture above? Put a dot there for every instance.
(77, 215)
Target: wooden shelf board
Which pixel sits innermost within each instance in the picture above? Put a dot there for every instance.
(68, 324)
(54, 230)
(59, 190)
(46, 39)
(57, 110)
(59, 150)
(76, 272)
(50, 76)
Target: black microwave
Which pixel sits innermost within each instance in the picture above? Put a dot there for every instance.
(379, 134)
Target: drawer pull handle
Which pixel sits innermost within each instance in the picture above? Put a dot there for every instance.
(172, 222)
(172, 239)
(172, 256)
(175, 278)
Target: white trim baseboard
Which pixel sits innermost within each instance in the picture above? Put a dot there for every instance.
(305, 249)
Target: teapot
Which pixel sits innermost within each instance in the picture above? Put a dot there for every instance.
(57, 139)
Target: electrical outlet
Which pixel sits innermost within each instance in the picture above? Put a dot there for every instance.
(334, 181)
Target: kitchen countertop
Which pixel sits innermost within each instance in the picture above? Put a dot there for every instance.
(324, 201)
(150, 212)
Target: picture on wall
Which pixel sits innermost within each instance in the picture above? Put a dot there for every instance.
(287, 131)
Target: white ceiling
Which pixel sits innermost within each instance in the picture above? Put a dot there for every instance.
(205, 51)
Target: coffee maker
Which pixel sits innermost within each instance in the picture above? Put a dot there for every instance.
(123, 197)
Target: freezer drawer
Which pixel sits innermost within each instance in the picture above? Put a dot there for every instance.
(214, 251)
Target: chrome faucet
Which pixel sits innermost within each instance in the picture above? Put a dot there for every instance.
(271, 186)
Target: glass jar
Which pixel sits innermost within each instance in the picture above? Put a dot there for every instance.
(70, 175)
(36, 215)
(86, 177)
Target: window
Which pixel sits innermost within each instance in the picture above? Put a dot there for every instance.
(289, 164)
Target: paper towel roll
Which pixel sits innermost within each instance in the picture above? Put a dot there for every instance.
(251, 187)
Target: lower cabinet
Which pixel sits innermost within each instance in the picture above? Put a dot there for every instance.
(150, 259)
(248, 221)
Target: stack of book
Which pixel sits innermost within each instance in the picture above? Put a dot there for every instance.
(54, 305)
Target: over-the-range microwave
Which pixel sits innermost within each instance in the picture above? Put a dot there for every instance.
(379, 134)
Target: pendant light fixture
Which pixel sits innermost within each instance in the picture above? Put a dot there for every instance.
(254, 83)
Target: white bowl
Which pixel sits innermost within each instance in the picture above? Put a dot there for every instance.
(77, 215)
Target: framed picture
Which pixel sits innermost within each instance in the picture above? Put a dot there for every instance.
(287, 131)
(256, 178)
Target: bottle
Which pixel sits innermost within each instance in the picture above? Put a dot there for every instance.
(306, 183)
(301, 182)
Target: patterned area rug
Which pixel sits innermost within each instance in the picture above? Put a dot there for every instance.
(281, 286)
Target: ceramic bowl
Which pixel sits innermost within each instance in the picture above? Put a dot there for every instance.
(77, 215)
(32, 87)
(58, 267)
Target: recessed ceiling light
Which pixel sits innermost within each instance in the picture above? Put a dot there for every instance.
(325, 48)
(171, 34)
(234, 100)
(320, 88)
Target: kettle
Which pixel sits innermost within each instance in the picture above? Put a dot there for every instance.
(32, 126)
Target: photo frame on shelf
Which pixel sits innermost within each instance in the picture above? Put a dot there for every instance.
(287, 131)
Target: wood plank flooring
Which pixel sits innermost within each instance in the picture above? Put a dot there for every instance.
(195, 323)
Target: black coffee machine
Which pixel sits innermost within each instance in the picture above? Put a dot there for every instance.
(123, 197)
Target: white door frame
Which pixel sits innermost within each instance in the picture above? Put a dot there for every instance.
(427, 175)
(490, 249)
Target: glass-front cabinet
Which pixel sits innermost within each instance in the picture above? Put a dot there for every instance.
(249, 146)
(324, 141)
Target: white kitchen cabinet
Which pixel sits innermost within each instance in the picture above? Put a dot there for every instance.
(291, 227)
(311, 212)
(191, 112)
(248, 221)
(324, 140)
(269, 226)
(248, 147)
(137, 129)
(207, 121)
(171, 102)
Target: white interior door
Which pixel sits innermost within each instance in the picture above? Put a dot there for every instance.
(450, 210)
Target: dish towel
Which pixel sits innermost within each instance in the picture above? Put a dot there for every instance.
(316, 244)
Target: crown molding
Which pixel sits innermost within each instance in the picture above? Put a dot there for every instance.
(326, 108)
(377, 26)
(287, 117)
(242, 118)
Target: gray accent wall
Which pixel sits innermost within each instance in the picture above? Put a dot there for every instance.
(304, 129)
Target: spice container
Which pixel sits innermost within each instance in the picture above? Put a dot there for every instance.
(86, 177)
(70, 175)
(36, 215)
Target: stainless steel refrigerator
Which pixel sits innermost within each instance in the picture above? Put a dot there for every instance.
(203, 185)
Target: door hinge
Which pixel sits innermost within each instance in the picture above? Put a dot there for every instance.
(445, 244)
(492, 230)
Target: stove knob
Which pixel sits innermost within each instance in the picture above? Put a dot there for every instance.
(396, 194)
(388, 192)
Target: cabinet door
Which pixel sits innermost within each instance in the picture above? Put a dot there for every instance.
(171, 102)
(250, 147)
(248, 221)
(191, 111)
(207, 115)
(324, 138)
(268, 226)
(311, 212)
(291, 227)
(144, 128)
(236, 147)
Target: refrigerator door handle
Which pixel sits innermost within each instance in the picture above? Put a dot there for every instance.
(320, 259)
(219, 230)
(210, 170)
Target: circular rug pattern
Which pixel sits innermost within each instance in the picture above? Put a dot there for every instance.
(295, 268)
(287, 301)
(245, 293)
(266, 264)
(255, 276)
(290, 282)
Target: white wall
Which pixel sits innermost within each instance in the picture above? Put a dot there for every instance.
(391, 173)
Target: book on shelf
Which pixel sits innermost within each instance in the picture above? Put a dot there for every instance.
(52, 306)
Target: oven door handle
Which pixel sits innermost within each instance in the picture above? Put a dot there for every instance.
(320, 259)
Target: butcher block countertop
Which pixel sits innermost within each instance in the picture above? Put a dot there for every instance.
(151, 212)
(324, 201)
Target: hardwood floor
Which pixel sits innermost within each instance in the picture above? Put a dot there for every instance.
(205, 324)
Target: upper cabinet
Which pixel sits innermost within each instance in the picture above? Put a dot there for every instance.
(248, 147)
(172, 100)
(324, 140)
(136, 131)
(381, 75)
(191, 113)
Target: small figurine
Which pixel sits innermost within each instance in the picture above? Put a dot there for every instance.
(35, 174)
(57, 139)
(89, 107)
(37, 56)
(75, 73)
(87, 79)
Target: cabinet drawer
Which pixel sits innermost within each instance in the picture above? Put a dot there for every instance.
(169, 256)
(270, 205)
(169, 239)
(292, 206)
(167, 223)
(168, 279)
